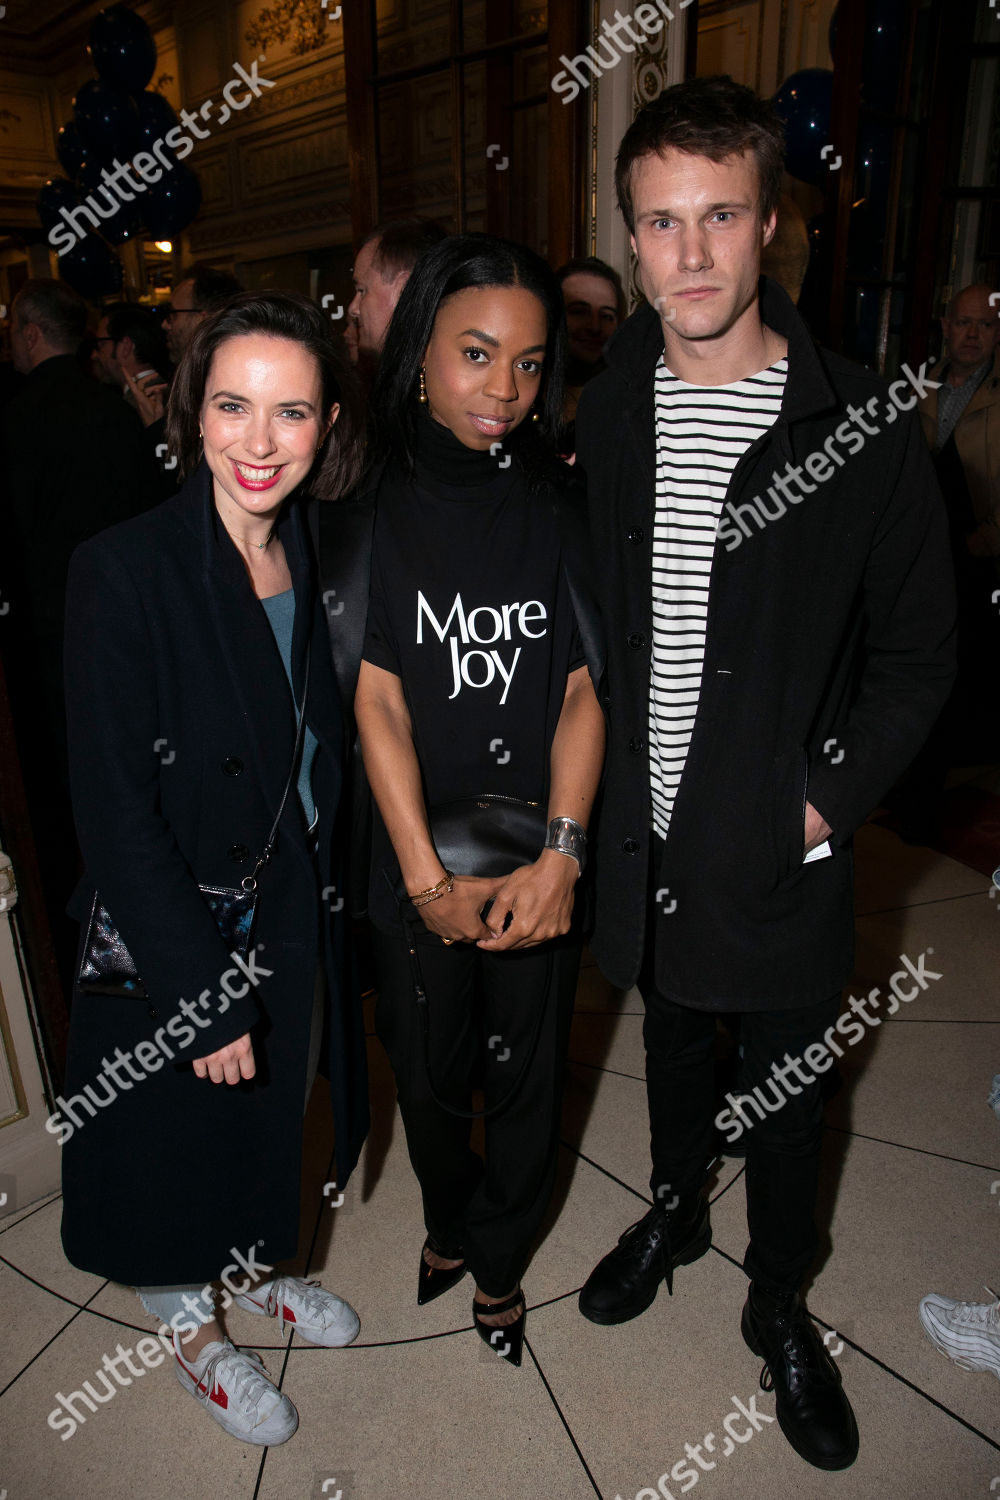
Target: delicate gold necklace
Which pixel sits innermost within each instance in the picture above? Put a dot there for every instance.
(246, 540)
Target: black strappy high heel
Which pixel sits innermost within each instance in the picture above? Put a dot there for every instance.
(434, 1281)
(505, 1341)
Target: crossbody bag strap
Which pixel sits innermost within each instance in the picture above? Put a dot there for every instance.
(249, 882)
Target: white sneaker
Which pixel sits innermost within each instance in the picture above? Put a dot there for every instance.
(237, 1392)
(968, 1332)
(319, 1316)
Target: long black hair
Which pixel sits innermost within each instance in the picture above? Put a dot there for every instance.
(457, 263)
(283, 315)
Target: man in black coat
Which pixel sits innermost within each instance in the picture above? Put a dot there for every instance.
(775, 585)
(75, 461)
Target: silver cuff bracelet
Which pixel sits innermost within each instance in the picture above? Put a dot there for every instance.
(567, 836)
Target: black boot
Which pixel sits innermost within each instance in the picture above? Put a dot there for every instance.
(626, 1281)
(812, 1410)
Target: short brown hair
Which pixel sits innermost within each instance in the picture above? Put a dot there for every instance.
(211, 288)
(56, 308)
(714, 117)
(281, 315)
(401, 243)
(590, 265)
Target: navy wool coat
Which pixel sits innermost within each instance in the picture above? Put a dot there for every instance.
(181, 731)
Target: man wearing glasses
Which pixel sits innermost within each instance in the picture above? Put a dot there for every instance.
(130, 351)
(201, 290)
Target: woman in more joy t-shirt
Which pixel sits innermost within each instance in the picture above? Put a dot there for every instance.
(477, 680)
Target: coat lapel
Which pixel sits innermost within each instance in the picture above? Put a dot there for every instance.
(323, 705)
(247, 644)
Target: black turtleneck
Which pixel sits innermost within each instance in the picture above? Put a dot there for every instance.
(445, 467)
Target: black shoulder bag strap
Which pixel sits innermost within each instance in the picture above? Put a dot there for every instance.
(249, 882)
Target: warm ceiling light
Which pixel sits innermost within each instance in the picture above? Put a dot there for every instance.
(165, 246)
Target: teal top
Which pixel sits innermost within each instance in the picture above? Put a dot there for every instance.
(280, 611)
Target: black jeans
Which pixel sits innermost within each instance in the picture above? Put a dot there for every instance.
(488, 1211)
(782, 1162)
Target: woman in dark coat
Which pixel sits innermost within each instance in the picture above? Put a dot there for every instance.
(477, 682)
(190, 632)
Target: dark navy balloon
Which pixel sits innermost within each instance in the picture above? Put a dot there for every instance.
(804, 102)
(171, 204)
(92, 268)
(122, 48)
(156, 117)
(107, 119)
(57, 193)
(120, 219)
(70, 148)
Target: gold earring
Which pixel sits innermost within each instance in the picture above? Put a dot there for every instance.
(422, 397)
(536, 416)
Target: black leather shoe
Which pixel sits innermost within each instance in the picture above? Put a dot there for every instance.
(625, 1282)
(813, 1411)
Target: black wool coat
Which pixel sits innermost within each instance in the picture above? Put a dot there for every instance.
(829, 653)
(181, 731)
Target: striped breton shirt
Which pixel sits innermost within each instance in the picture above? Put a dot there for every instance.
(701, 434)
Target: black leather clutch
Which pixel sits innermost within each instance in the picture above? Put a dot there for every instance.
(107, 967)
(488, 835)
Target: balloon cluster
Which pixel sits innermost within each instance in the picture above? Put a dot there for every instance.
(804, 102)
(115, 116)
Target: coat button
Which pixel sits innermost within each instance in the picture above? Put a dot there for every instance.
(636, 640)
(636, 535)
(232, 766)
(631, 846)
(635, 744)
(239, 854)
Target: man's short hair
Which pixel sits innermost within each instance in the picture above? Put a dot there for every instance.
(714, 117)
(592, 265)
(212, 288)
(127, 320)
(401, 243)
(60, 312)
(974, 286)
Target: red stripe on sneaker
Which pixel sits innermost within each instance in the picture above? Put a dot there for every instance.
(289, 1315)
(218, 1395)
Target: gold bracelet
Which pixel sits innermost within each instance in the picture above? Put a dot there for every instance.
(444, 887)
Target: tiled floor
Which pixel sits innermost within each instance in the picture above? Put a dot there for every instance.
(419, 1408)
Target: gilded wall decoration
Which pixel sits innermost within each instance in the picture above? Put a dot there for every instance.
(301, 23)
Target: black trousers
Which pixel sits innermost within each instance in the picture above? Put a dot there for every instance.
(482, 1011)
(782, 1163)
